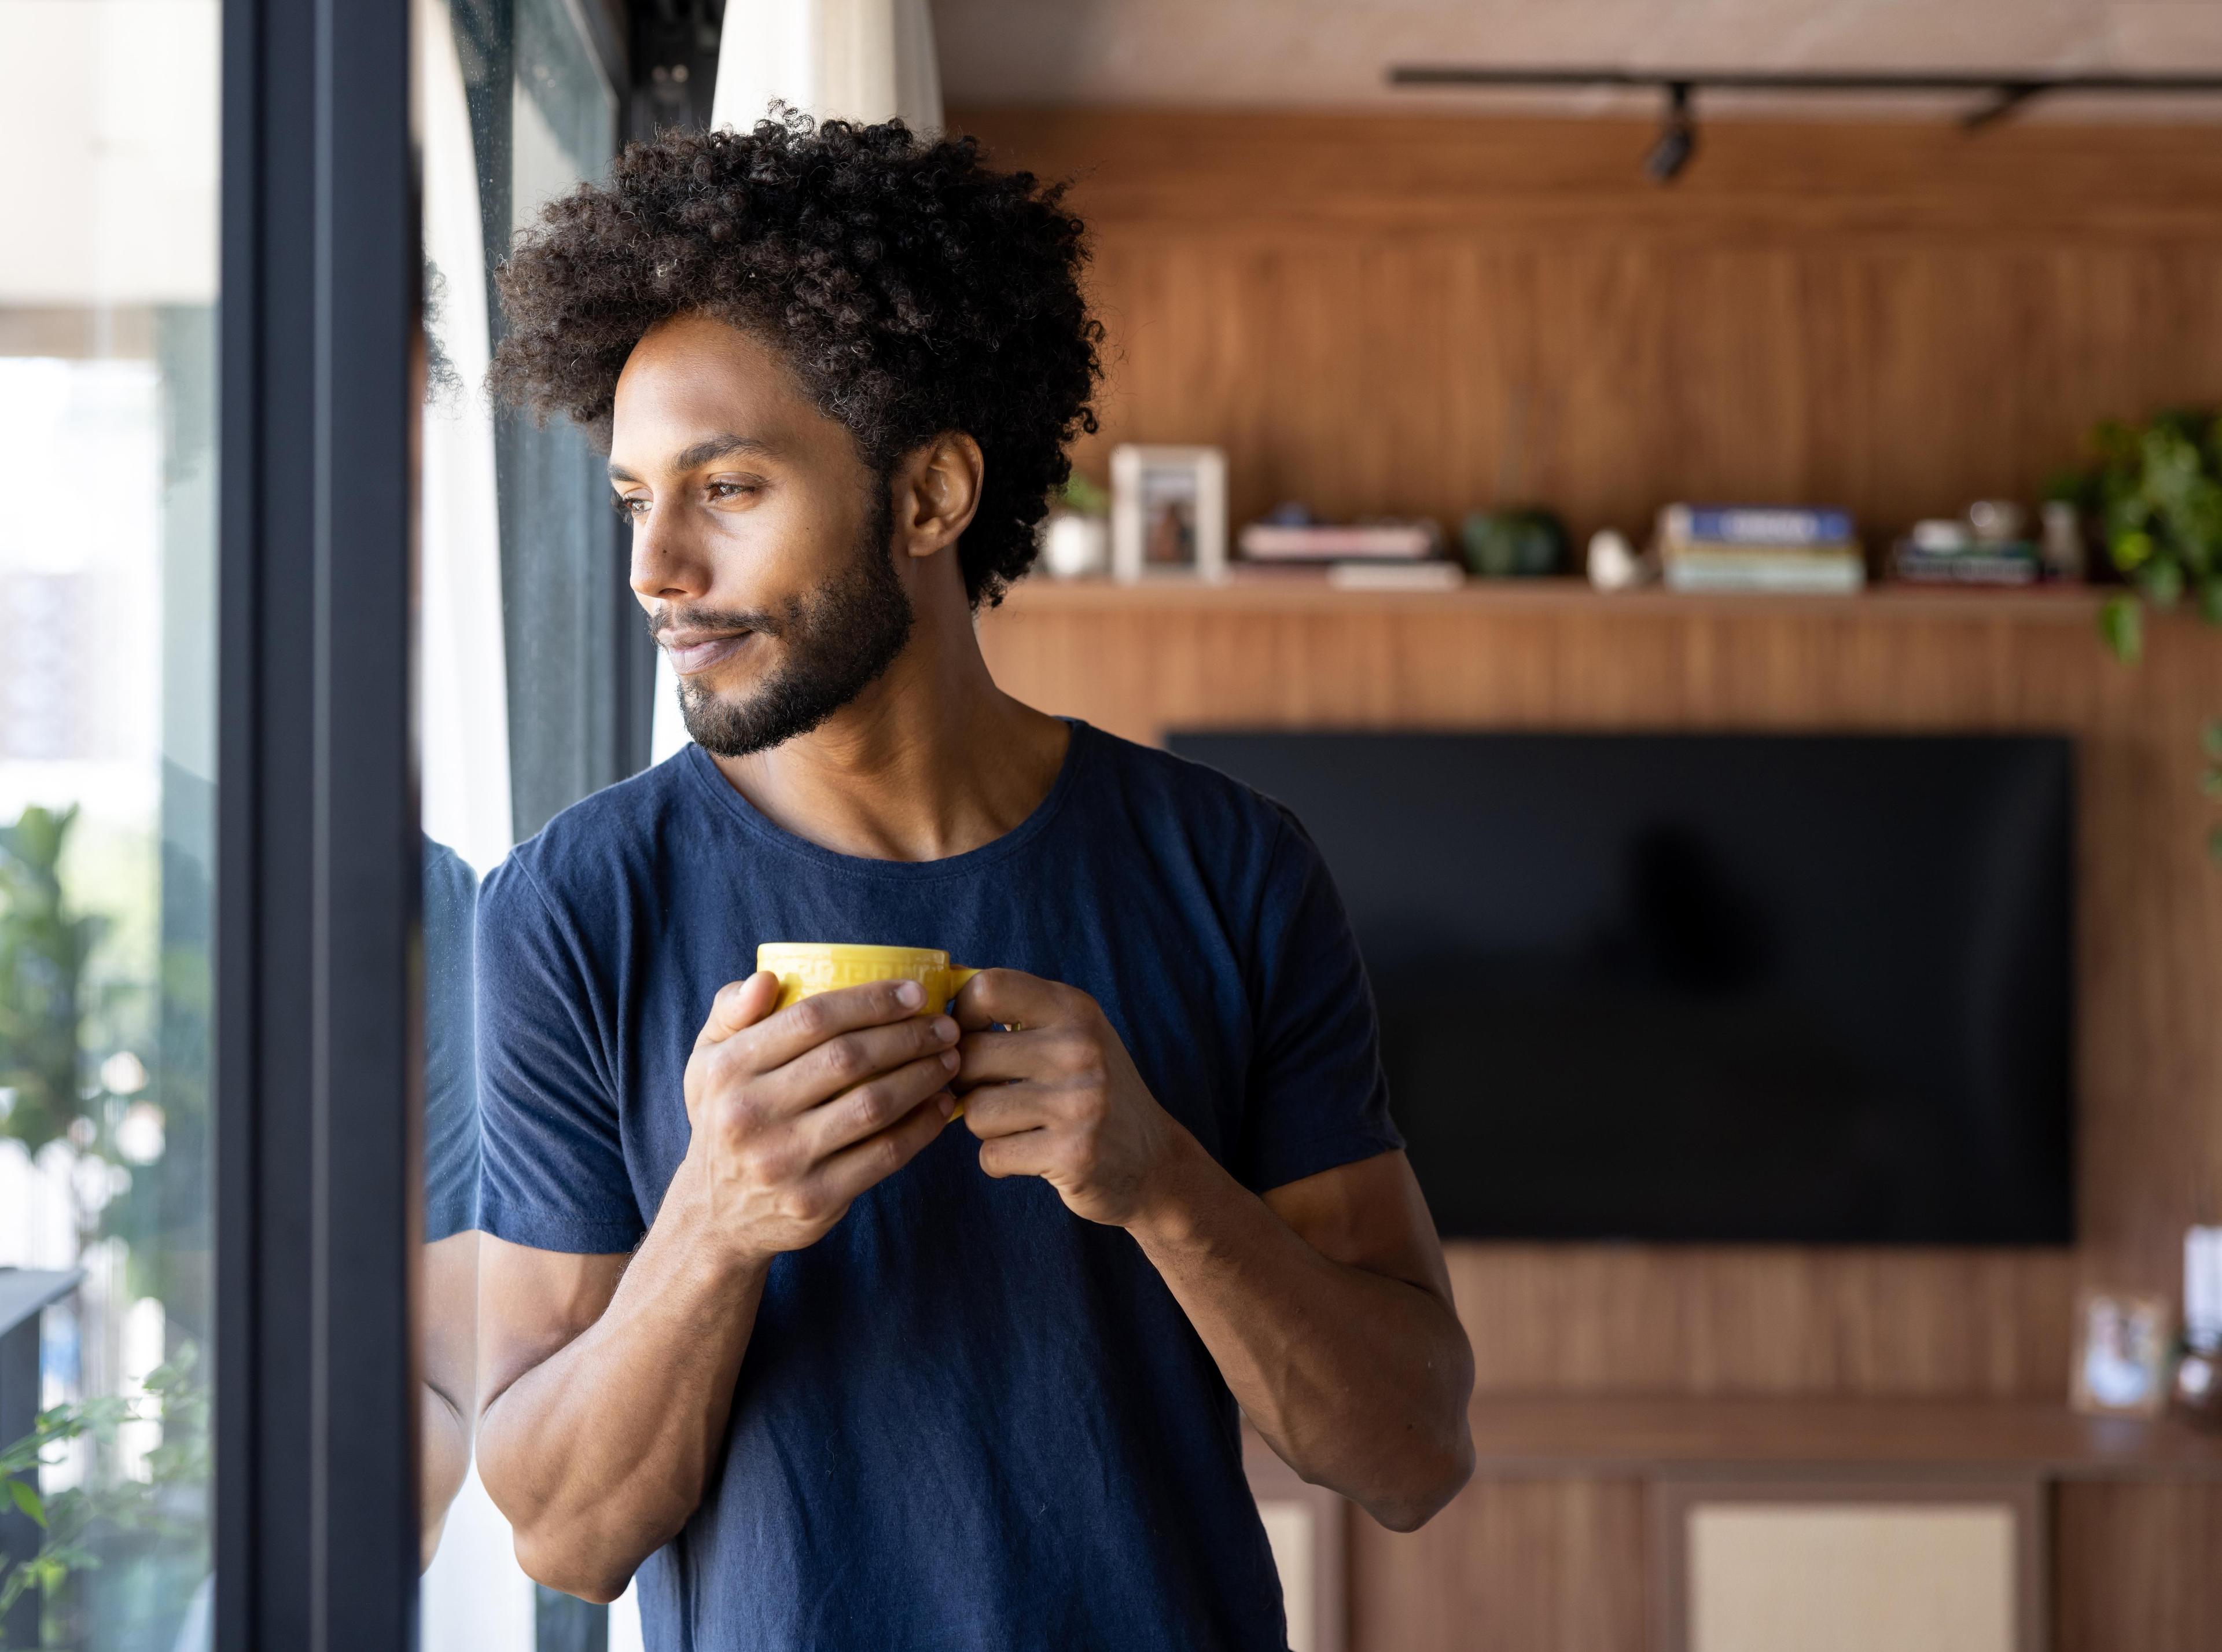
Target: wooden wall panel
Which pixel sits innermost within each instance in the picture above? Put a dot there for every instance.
(1423, 315)
(1512, 1566)
(1776, 1321)
(2139, 1568)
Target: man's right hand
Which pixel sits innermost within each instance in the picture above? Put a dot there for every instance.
(797, 1113)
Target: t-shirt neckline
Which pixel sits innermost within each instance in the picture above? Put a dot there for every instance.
(757, 825)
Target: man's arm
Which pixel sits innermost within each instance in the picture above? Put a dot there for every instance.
(1325, 1303)
(607, 1381)
(451, 1337)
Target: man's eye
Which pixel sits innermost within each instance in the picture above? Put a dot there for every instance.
(631, 509)
(731, 490)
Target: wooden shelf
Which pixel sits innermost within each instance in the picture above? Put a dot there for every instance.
(2075, 604)
(1551, 1437)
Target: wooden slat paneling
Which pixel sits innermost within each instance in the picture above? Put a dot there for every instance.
(1511, 1566)
(1425, 315)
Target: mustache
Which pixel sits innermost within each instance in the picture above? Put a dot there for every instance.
(712, 619)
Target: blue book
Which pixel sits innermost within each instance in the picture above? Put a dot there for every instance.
(1753, 524)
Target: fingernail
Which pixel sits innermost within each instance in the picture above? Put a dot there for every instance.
(910, 995)
(945, 1029)
(947, 1103)
(949, 1059)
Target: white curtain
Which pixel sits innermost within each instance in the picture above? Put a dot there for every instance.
(849, 59)
(464, 720)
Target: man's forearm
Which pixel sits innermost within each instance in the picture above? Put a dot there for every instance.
(1359, 1380)
(599, 1454)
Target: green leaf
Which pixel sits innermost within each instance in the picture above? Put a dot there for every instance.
(2131, 549)
(2162, 582)
(2211, 738)
(30, 1502)
(2210, 598)
(2121, 624)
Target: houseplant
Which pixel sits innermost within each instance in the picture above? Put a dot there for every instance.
(2154, 492)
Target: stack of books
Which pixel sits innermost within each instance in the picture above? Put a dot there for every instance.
(1950, 553)
(1371, 555)
(1759, 548)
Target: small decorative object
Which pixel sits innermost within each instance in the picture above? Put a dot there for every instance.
(1942, 536)
(1167, 512)
(2199, 1372)
(1075, 536)
(1613, 563)
(2156, 492)
(1996, 521)
(2121, 1354)
(2063, 540)
(1525, 544)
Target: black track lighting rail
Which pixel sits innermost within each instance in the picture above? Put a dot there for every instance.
(2008, 90)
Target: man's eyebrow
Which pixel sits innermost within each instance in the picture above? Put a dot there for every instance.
(711, 446)
(716, 447)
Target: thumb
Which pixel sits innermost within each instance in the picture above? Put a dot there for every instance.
(739, 1004)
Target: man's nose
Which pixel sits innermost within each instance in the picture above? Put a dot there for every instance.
(666, 565)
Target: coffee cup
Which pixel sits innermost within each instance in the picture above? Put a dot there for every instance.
(806, 968)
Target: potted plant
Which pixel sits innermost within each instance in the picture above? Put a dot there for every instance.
(2154, 492)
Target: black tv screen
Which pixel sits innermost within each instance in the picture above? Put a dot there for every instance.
(1741, 987)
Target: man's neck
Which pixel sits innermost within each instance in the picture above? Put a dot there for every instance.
(931, 761)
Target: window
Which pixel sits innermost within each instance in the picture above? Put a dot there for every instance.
(108, 633)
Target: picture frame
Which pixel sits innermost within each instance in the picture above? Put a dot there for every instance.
(1167, 512)
(2121, 1345)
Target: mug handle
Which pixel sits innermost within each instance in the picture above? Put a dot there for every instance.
(953, 980)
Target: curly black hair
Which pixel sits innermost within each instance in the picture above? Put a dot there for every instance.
(914, 292)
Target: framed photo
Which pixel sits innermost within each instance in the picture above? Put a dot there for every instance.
(2121, 1353)
(1167, 512)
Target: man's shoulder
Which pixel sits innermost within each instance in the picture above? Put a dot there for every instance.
(603, 842)
(1187, 790)
(1204, 805)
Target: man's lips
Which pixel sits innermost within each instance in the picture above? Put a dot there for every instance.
(691, 651)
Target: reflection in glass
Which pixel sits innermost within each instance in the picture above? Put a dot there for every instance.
(518, 645)
(107, 777)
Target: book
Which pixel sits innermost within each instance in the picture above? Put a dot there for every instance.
(2008, 564)
(1819, 573)
(1415, 575)
(1753, 524)
(1334, 541)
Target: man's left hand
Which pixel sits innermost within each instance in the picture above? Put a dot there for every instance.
(1057, 1095)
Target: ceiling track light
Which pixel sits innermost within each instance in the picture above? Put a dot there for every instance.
(1677, 135)
(2005, 92)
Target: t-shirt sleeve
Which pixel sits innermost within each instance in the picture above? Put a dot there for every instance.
(1317, 1096)
(553, 1170)
(451, 1083)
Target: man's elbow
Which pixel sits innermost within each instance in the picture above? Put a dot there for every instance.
(1434, 1479)
(550, 1567)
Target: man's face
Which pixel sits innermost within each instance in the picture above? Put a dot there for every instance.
(760, 538)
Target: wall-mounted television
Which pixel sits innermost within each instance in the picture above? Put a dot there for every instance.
(1810, 989)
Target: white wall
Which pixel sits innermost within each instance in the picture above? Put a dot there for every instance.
(1332, 53)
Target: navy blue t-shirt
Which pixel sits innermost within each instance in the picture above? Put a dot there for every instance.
(967, 1417)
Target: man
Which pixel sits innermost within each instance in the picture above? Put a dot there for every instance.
(758, 1320)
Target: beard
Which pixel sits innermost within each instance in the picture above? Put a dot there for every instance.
(838, 641)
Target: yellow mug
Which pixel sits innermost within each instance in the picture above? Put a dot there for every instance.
(806, 968)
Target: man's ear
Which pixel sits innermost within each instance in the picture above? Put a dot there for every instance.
(937, 492)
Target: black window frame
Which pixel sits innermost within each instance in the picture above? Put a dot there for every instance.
(318, 944)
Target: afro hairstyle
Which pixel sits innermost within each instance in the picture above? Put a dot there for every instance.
(914, 292)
